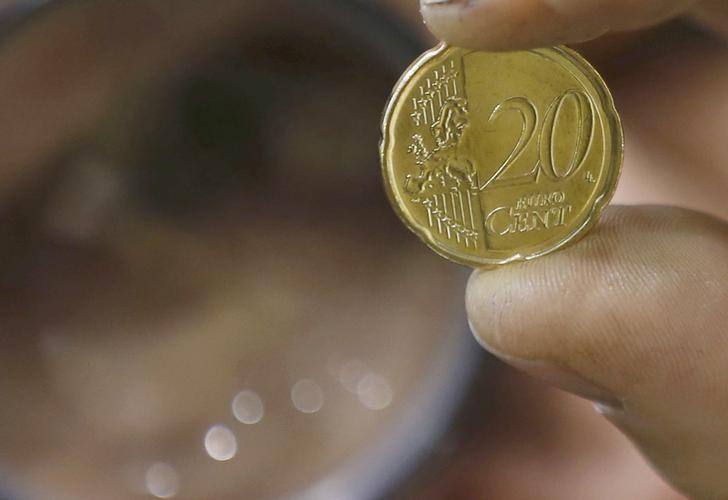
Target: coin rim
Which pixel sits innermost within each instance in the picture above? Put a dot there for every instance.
(602, 200)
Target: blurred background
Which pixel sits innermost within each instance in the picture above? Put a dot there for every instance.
(205, 295)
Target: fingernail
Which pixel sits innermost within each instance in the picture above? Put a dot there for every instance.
(442, 6)
(427, 3)
(557, 376)
(610, 411)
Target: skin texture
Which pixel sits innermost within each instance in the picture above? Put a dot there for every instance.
(633, 317)
(497, 24)
(626, 318)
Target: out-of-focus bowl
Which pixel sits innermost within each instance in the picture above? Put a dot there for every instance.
(212, 298)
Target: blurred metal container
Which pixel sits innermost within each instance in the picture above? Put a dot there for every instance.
(207, 294)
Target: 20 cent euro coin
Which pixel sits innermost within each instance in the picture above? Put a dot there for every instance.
(492, 158)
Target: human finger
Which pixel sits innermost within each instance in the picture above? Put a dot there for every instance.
(632, 317)
(515, 24)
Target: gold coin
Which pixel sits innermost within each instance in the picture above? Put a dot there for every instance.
(492, 158)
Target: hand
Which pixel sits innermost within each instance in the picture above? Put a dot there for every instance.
(633, 317)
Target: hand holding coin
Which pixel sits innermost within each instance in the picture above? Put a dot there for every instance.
(633, 316)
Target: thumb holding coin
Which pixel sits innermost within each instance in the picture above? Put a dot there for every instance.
(633, 316)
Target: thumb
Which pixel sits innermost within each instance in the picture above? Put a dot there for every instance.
(633, 317)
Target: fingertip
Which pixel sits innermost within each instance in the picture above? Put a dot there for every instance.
(500, 322)
(493, 300)
(459, 23)
(536, 310)
(502, 25)
(602, 307)
(475, 299)
(520, 24)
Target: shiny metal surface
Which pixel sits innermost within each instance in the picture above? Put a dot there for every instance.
(492, 158)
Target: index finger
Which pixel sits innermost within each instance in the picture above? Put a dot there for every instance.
(516, 24)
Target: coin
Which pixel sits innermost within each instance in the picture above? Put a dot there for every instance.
(492, 158)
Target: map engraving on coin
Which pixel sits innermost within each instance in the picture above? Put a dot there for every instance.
(492, 158)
